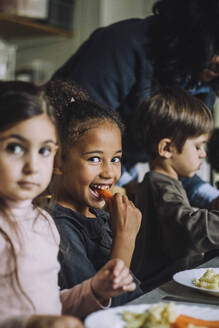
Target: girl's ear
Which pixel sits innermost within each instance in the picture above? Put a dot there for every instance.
(57, 170)
(165, 148)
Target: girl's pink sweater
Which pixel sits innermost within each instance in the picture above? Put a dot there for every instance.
(36, 244)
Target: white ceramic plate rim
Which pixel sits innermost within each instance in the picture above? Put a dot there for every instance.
(111, 317)
(185, 278)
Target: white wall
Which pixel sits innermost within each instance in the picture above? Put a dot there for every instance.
(115, 10)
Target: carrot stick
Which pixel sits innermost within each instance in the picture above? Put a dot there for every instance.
(179, 324)
(105, 193)
(182, 321)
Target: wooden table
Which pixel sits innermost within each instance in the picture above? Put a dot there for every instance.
(184, 295)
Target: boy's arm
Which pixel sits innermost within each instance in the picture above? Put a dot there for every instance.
(200, 193)
(183, 227)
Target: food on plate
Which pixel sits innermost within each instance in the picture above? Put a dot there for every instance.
(164, 315)
(161, 315)
(104, 193)
(209, 280)
(184, 321)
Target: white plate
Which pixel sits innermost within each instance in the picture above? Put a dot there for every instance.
(112, 318)
(185, 278)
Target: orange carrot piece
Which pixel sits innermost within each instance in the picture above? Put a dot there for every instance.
(182, 321)
(105, 193)
(179, 324)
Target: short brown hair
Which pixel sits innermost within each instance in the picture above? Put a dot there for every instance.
(171, 112)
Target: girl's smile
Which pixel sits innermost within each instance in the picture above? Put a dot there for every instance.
(95, 187)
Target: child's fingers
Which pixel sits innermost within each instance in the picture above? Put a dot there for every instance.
(124, 277)
(118, 204)
(123, 199)
(132, 204)
(119, 269)
(119, 197)
(117, 189)
(114, 268)
(119, 272)
(125, 288)
(109, 203)
(130, 287)
(126, 280)
(113, 203)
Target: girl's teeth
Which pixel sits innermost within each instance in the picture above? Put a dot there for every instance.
(101, 187)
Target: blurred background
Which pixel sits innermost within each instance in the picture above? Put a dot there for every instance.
(38, 36)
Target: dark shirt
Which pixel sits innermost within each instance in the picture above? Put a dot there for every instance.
(173, 236)
(115, 67)
(85, 248)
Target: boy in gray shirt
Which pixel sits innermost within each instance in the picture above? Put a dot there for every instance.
(173, 127)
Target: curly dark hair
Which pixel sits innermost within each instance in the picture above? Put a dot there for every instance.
(62, 92)
(184, 39)
(78, 117)
(75, 112)
(19, 101)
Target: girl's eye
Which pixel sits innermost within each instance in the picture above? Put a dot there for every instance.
(94, 159)
(14, 148)
(116, 159)
(46, 151)
(201, 147)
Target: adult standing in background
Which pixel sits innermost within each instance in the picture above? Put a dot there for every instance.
(119, 65)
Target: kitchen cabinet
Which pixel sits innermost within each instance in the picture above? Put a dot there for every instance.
(13, 26)
(52, 46)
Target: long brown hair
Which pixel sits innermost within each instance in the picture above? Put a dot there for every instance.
(19, 101)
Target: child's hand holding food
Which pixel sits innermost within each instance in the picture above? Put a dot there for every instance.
(112, 280)
(125, 223)
(125, 217)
